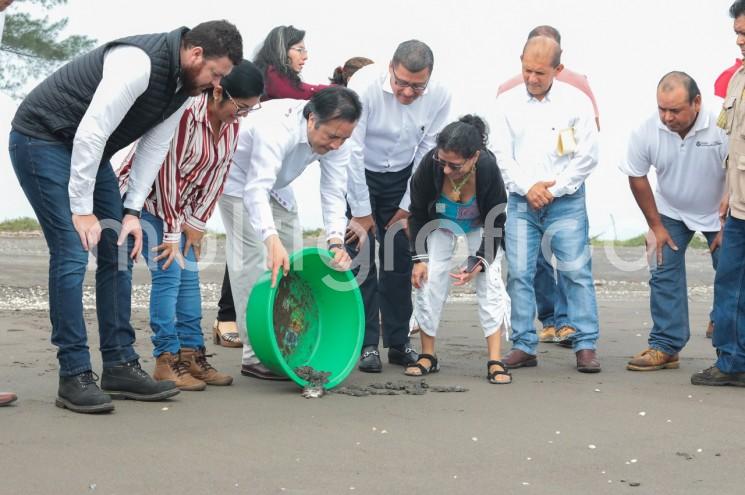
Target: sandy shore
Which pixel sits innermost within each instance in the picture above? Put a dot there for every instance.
(552, 431)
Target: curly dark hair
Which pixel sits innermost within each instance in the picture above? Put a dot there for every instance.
(273, 52)
(217, 39)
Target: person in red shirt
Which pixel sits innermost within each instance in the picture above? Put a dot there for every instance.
(181, 201)
(282, 66)
(720, 85)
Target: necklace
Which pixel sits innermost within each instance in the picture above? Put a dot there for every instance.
(457, 186)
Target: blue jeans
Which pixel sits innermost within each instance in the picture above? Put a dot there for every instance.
(43, 170)
(560, 228)
(175, 300)
(668, 289)
(729, 297)
(550, 298)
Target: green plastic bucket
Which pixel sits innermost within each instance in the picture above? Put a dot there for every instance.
(313, 317)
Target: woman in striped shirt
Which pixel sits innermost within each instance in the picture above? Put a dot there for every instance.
(174, 217)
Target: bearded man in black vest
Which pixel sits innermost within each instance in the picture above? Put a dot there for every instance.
(63, 136)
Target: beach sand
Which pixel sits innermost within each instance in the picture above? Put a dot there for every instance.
(553, 431)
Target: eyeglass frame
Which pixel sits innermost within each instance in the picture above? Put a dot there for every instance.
(241, 111)
(401, 83)
(453, 166)
(300, 49)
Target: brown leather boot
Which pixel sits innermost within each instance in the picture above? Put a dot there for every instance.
(175, 367)
(200, 368)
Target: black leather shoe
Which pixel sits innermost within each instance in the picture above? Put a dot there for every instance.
(370, 360)
(80, 394)
(129, 381)
(404, 355)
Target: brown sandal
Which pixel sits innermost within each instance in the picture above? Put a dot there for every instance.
(226, 339)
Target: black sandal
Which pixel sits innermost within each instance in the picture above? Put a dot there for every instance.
(491, 376)
(434, 366)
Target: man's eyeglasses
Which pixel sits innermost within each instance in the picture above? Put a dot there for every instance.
(416, 87)
(442, 163)
(241, 111)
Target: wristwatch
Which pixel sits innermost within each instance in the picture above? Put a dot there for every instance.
(133, 212)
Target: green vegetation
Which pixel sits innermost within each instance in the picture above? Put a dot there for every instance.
(23, 224)
(32, 46)
(312, 233)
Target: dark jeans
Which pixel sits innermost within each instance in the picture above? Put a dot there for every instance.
(43, 170)
(729, 299)
(668, 289)
(386, 292)
(226, 306)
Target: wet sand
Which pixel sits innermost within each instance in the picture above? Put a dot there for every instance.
(552, 431)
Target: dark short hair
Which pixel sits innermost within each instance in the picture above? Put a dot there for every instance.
(465, 136)
(273, 52)
(341, 74)
(414, 55)
(244, 81)
(217, 39)
(545, 30)
(737, 9)
(667, 82)
(334, 102)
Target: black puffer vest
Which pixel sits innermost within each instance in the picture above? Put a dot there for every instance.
(54, 109)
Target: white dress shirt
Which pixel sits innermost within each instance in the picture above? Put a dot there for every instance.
(525, 137)
(390, 136)
(272, 152)
(126, 74)
(690, 175)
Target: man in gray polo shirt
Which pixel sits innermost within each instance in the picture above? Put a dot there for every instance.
(685, 146)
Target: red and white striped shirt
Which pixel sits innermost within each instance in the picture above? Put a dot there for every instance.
(193, 174)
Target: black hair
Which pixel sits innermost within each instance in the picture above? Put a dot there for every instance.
(465, 136)
(545, 30)
(667, 82)
(273, 52)
(244, 81)
(334, 102)
(414, 55)
(737, 9)
(341, 74)
(217, 39)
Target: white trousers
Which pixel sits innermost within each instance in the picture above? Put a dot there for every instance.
(246, 254)
(493, 301)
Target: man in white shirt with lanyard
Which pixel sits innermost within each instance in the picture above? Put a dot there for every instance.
(686, 148)
(545, 139)
(274, 147)
(403, 110)
(64, 134)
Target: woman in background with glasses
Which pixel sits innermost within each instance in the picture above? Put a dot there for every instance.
(281, 58)
(182, 200)
(457, 190)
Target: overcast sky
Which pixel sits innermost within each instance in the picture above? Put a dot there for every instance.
(623, 46)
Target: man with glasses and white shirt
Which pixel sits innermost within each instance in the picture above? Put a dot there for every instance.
(403, 110)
